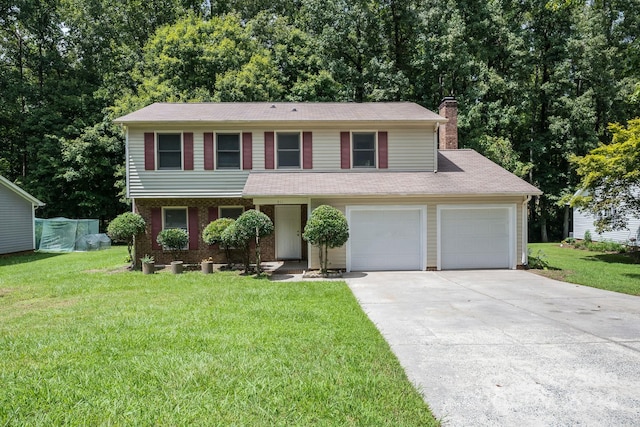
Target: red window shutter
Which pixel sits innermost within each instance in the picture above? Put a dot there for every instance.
(383, 150)
(307, 150)
(345, 150)
(269, 159)
(194, 230)
(149, 151)
(213, 213)
(247, 142)
(188, 150)
(208, 151)
(156, 227)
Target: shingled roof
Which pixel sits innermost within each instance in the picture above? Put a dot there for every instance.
(243, 112)
(461, 172)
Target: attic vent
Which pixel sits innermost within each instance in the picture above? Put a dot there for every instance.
(273, 106)
(295, 109)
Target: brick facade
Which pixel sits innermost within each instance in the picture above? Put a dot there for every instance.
(143, 245)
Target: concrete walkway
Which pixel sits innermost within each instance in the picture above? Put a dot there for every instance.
(510, 348)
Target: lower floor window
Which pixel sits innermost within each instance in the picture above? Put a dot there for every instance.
(175, 218)
(232, 212)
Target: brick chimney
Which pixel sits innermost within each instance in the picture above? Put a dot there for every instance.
(448, 132)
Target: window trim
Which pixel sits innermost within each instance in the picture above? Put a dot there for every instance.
(277, 151)
(215, 149)
(244, 209)
(157, 150)
(186, 210)
(375, 149)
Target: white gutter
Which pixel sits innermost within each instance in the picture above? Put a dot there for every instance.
(525, 231)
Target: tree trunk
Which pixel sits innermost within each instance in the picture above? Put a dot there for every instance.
(565, 223)
(258, 271)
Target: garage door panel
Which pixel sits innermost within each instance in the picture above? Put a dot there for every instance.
(386, 239)
(475, 238)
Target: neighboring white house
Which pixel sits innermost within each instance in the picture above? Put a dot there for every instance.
(584, 221)
(412, 199)
(16, 218)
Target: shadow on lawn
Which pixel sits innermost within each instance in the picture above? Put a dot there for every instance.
(612, 258)
(25, 257)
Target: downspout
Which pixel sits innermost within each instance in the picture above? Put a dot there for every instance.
(435, 147)
(525, 231)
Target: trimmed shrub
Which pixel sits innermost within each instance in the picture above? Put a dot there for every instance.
(124, 228)
(326, 228)
(212, 234)
(174, 240)
(252, 225)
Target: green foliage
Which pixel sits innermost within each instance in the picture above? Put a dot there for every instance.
(610, 177)
(326, 228)
(124, 228)
(614, 272)
(212, 234)
(537, 261)
(147, 259)
(251, 226)
(194, 348)
(602, 246)
(174, 240)
(587, 236)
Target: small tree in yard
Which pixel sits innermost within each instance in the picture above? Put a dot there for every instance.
(174, 240)
(124, 228)
(212, 234)
(327, 228)
(252, 225)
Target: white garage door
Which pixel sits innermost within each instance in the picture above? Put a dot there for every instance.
(476, 238)
(386, 238)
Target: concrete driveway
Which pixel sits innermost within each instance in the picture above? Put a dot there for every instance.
(510, 348)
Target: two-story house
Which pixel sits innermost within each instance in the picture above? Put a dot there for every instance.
(410, 204)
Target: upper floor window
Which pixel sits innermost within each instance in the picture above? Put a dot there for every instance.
(288, 150)
(232, 212)
(169, 151)
(228, 150)
(364, 149)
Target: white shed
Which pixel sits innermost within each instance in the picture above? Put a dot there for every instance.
(17, 218)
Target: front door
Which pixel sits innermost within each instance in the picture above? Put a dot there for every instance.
(288, 242)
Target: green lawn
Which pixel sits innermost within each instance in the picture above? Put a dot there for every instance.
(83, 342)
(613, 272)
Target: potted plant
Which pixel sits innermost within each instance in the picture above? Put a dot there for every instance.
(207, 266)
(148, 264)
(174, 240)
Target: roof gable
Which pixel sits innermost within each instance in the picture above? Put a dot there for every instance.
(19, 191)
(242, 112)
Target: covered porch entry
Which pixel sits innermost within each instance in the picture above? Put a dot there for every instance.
(289, 220)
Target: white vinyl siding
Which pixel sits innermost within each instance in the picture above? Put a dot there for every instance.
(16, 222)
(180, 183)
(411, 149)
(583, 221)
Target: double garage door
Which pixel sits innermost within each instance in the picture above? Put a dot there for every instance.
(395, 237)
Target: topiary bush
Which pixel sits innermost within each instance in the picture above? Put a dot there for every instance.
(174, 240)
(326, 228)
(124, 228)
(252, 225)
(212, 234)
